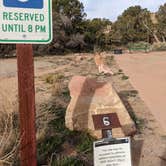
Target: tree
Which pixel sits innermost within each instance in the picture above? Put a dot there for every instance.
(7, 50)
(67, 27)
(73, 9)
(95, 32)
(161, 17)
(132, 25)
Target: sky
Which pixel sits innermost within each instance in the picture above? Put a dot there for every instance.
(111, 9)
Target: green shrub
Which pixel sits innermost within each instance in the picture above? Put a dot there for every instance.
(139, 44)
(159, 47)
(125, 77)
(52, 78)
(86, 143)
(140, 123)
(51, 149)
(67, 161)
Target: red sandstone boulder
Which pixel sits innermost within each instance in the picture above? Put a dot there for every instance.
(90, 97)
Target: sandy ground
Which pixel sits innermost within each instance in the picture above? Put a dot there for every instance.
(9, 81)
(147, 73)
(149, 144)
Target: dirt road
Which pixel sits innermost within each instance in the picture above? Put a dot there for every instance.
(147, 74)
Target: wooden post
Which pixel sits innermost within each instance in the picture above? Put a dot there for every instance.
(26, 104)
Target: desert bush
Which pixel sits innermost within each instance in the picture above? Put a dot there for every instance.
(139, 45)
(124, 77)
(7, 50)
(57, 88)
(51, 149)
(65, 161)
(53, 78)
(86, 143)
(56, 80)
(159, 46)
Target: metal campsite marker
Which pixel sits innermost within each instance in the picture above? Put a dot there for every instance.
(26, 22)
(110, 151)
(106, 122)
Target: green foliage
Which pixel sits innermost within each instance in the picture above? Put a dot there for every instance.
(52, 78)
(68, 31)
(125, 77)
(72, 32)
(131, 93)
(49, 145)
(66, 35)
(74, 9)
(86, 143)
(66, 94)
(110, 60)
(7, 50)
(140, 123)
(71, 13)
(139, 46)
(95, 32)
(53, 140)
(50, 148)
(161, 15)
(67, 161)
(159, 47)
(130, 26)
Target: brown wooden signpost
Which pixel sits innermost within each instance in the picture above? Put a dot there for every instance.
(26, 104)
(33, 25)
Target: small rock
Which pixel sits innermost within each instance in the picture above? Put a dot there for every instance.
(79, 58)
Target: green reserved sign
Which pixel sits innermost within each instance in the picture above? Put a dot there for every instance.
(20, 24)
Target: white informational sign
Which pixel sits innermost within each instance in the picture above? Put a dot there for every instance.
(26, 21)
(115, 152)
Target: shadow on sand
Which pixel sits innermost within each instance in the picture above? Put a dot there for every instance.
(136, 144)
(136, 148)
(163, 159)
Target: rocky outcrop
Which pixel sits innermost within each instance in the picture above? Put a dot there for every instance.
(90, 97)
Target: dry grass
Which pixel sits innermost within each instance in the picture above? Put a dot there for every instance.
(57, 88)
(52, 78)
(8, 132)
(159, 46)
(56, 81)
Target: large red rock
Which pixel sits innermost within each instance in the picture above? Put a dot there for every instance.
(90, 97)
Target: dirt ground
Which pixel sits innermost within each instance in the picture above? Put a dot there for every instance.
(149, 143)
(147, 74)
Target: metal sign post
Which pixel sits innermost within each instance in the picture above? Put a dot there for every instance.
(26, 105)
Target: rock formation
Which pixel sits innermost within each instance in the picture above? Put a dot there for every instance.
(90, 97)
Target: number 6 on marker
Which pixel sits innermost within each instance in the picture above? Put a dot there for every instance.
(106, 121)
(34, 4)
